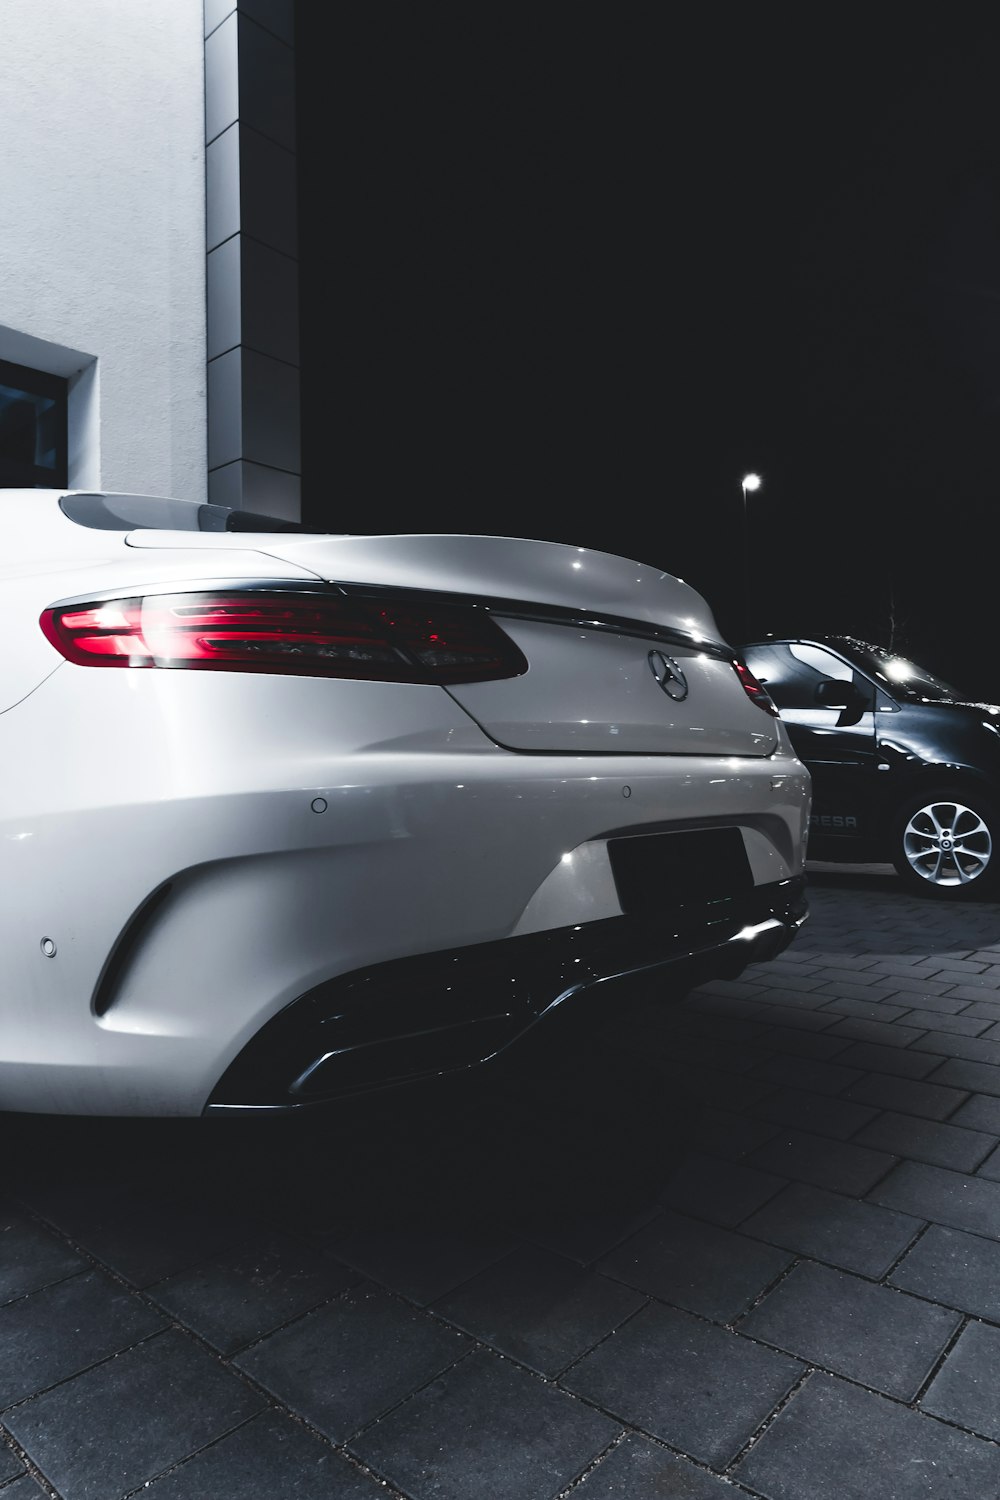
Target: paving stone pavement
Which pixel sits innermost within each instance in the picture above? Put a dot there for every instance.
(744, 1244)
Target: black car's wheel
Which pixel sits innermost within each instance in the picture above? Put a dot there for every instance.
(947, 843)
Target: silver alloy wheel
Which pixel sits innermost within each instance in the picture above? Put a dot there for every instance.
(947, 843)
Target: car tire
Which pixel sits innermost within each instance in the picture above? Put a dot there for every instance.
(946, 843)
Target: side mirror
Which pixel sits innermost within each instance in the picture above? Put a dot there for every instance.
(832, 692)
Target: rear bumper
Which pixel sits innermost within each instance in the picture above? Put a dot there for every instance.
(442, 1013)
(165, 902)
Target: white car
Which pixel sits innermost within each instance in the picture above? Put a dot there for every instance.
(285, 816)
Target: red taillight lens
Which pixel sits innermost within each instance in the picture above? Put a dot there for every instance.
(293, 634)
(755, 690)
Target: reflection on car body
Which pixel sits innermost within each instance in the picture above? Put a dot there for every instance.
(289, 815)
(905, 768)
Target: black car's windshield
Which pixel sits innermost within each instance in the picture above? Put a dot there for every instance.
(903, 678)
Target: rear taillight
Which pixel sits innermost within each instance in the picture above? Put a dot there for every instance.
(312, 635)
(755, 690)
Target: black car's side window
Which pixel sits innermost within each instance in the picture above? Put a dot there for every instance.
(791, 672)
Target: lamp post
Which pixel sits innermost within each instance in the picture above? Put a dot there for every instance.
(748, 483)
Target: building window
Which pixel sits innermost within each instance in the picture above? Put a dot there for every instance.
(33, 427)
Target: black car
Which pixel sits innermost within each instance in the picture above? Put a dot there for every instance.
(905, 769)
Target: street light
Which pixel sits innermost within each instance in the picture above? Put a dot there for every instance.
(748, 483)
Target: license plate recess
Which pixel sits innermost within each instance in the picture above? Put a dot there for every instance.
(659, 870)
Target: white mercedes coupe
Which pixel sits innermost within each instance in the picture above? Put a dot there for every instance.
(287, 816)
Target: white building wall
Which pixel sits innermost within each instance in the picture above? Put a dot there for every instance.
(102, 229)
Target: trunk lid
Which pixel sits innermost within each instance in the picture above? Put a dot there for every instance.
(624, 658)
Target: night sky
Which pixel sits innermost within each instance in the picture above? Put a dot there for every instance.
(571, 271)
